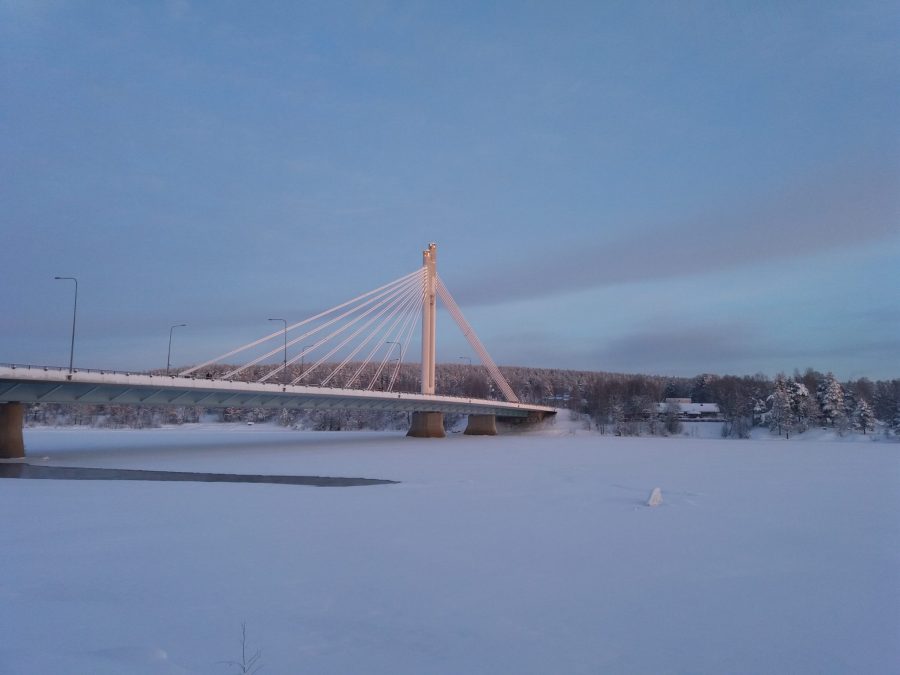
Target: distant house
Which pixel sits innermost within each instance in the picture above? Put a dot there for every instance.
(688, 410)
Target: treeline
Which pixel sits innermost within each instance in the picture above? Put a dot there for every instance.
(627, 404)
(616, 402)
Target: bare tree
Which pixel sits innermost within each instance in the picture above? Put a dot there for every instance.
(248, 665)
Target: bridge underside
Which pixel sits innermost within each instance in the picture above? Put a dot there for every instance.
(36, 385)
(235, 395)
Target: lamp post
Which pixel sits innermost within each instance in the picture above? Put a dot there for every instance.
(74, 312)
(284, 368)
(169, 356)
(467, 359)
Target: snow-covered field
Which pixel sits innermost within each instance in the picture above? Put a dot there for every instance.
(517, 554)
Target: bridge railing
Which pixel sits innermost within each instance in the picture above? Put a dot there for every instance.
(142, 373)
(112, 371)
(65, 369)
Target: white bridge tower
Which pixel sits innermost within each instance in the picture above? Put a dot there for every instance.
(429, 311)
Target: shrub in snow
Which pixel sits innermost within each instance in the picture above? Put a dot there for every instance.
(673, 418)
(739, 427)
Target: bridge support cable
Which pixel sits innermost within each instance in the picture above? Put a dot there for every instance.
(411, 313)
(389, 298)
(397, 310)
(387, 295)
(321, 315)
(403, 338)
(406, 341)
(384, 297)
(382, 334)
(469, 334)
(394, 299)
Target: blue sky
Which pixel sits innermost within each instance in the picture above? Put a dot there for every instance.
(653, 187)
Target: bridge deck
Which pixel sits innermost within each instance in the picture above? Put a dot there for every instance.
(36, 384)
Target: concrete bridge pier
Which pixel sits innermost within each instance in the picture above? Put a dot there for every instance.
(12, 419)
(481, 425)
(427, 425)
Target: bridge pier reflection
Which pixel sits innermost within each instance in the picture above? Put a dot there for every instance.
(12, 419)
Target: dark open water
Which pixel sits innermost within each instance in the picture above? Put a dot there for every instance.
(19, 470)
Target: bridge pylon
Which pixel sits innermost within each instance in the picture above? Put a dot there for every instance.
(429, 312)
(428, 424)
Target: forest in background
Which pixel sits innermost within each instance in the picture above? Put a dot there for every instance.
(623, 404)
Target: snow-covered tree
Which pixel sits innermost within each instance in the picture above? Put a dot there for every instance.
(800, 404)
(895, 423)
(700, 391)
(864, 388)
(863, 417)
(831, 400)
(760, 411)
(781, 416)
(672, 390)
(617, 412)
(849, 402)
(885, 400)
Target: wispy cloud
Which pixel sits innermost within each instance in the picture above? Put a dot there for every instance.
(855, 205)
(739, 348)
(692, 347)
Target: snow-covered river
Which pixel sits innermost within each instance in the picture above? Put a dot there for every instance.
(527, 554)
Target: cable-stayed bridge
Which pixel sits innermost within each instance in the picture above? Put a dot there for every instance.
(349, 357)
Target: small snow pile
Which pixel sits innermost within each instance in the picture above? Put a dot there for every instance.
(655, 497)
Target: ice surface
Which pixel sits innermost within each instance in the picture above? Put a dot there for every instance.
(524, 553)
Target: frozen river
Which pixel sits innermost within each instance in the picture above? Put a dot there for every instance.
(527, 554)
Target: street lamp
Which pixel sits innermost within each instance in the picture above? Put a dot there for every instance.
(467, 359)
(169, 356)
(74, 311)
(284, 374)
